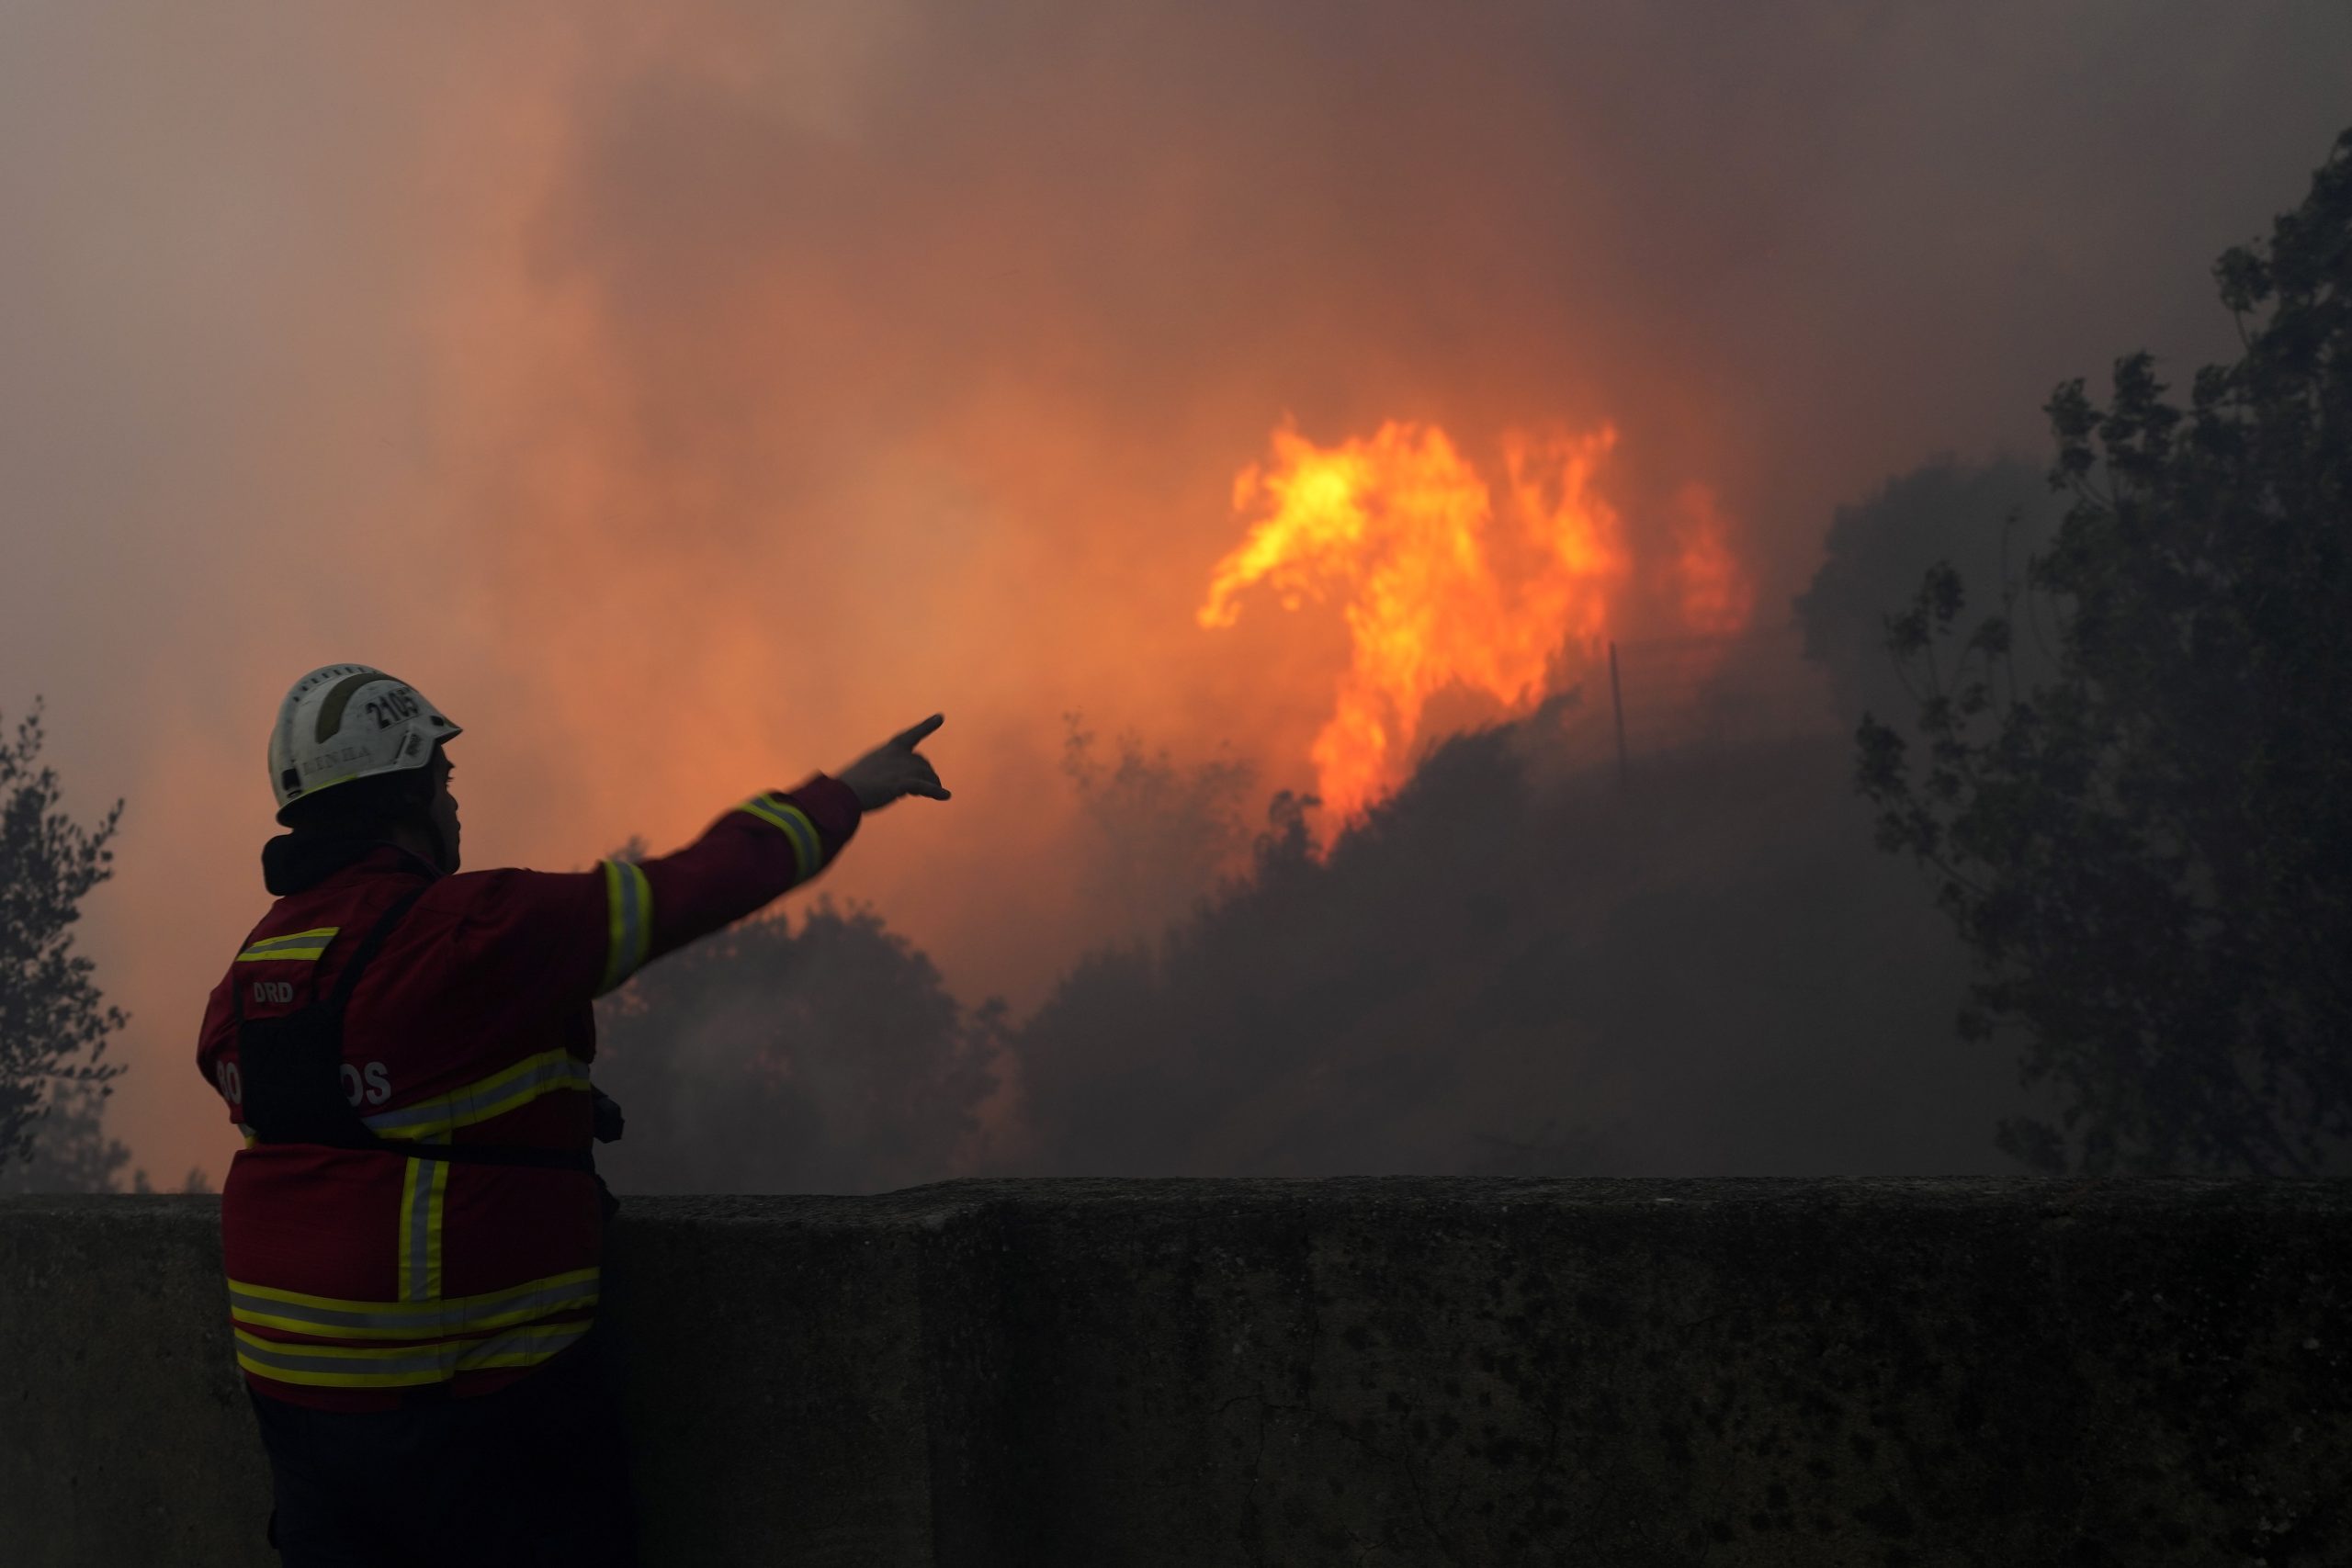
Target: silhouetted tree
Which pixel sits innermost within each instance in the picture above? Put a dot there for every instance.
(54, 1023)
(71, 1151)
(2145, 852)
(1165, 832)
(1986, 519)
(768, 1060)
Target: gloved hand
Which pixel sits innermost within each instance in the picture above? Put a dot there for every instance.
(895, 767)
(606, 1118)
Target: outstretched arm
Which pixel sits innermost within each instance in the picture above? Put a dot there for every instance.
(545, 936)
(765, 847)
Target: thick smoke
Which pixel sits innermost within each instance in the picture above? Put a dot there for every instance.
(1539, 957)
(687, 398)
(770, 1060)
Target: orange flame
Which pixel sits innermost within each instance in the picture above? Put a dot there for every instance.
(1438, 597)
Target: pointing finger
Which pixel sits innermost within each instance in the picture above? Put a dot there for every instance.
(921, 732)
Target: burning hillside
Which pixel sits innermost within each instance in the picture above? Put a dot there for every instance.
(1441, 588)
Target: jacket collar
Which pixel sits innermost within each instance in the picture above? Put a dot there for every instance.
(296, 862)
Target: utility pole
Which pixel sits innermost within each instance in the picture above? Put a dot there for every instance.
(1617, 704)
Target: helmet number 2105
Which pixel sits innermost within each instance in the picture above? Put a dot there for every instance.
(393, 707)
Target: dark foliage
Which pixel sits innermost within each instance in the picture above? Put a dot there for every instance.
(1162, 833)
(54, 1023)
(71, 1151)
(1986, 519)
(2145, 852)
(764, 1060)
(1709, 973)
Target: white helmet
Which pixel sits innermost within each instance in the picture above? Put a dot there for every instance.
(343, 722)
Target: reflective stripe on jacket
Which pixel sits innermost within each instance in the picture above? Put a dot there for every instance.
(355, 1274)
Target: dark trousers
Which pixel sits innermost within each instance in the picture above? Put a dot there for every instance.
(534, 1473)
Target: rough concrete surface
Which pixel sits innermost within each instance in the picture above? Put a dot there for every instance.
(1379, 1371)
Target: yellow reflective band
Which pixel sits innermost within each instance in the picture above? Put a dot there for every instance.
(808, 847)
(424, 1188)
(307, 945)
(400, 1366)
(438, 1207)
(507, 1090)
(333, 1317)
(629, 920)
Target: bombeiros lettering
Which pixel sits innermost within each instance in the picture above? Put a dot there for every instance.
(373, 1085)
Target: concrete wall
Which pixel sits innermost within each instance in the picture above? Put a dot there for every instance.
(1378, 1371)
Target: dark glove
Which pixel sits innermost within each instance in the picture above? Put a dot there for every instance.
(607, 1119)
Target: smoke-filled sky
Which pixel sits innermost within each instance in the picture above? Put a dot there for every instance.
(686, 395)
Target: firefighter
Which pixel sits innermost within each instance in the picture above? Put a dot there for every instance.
(413, 1233)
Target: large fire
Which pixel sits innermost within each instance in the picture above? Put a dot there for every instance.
(1438, 592)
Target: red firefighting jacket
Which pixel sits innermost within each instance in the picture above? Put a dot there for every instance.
(356, 1276)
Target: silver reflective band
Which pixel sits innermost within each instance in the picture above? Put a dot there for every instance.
(804, 839)
(305, 1359)
(628, 897)
(632, 910)
(310, 944)
(494, 1096)
(294, 939)
(416, 1266)
(807, 847)
(396, 1322)
(515, 1346)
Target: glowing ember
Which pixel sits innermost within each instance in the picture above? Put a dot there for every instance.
(1438, 595)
